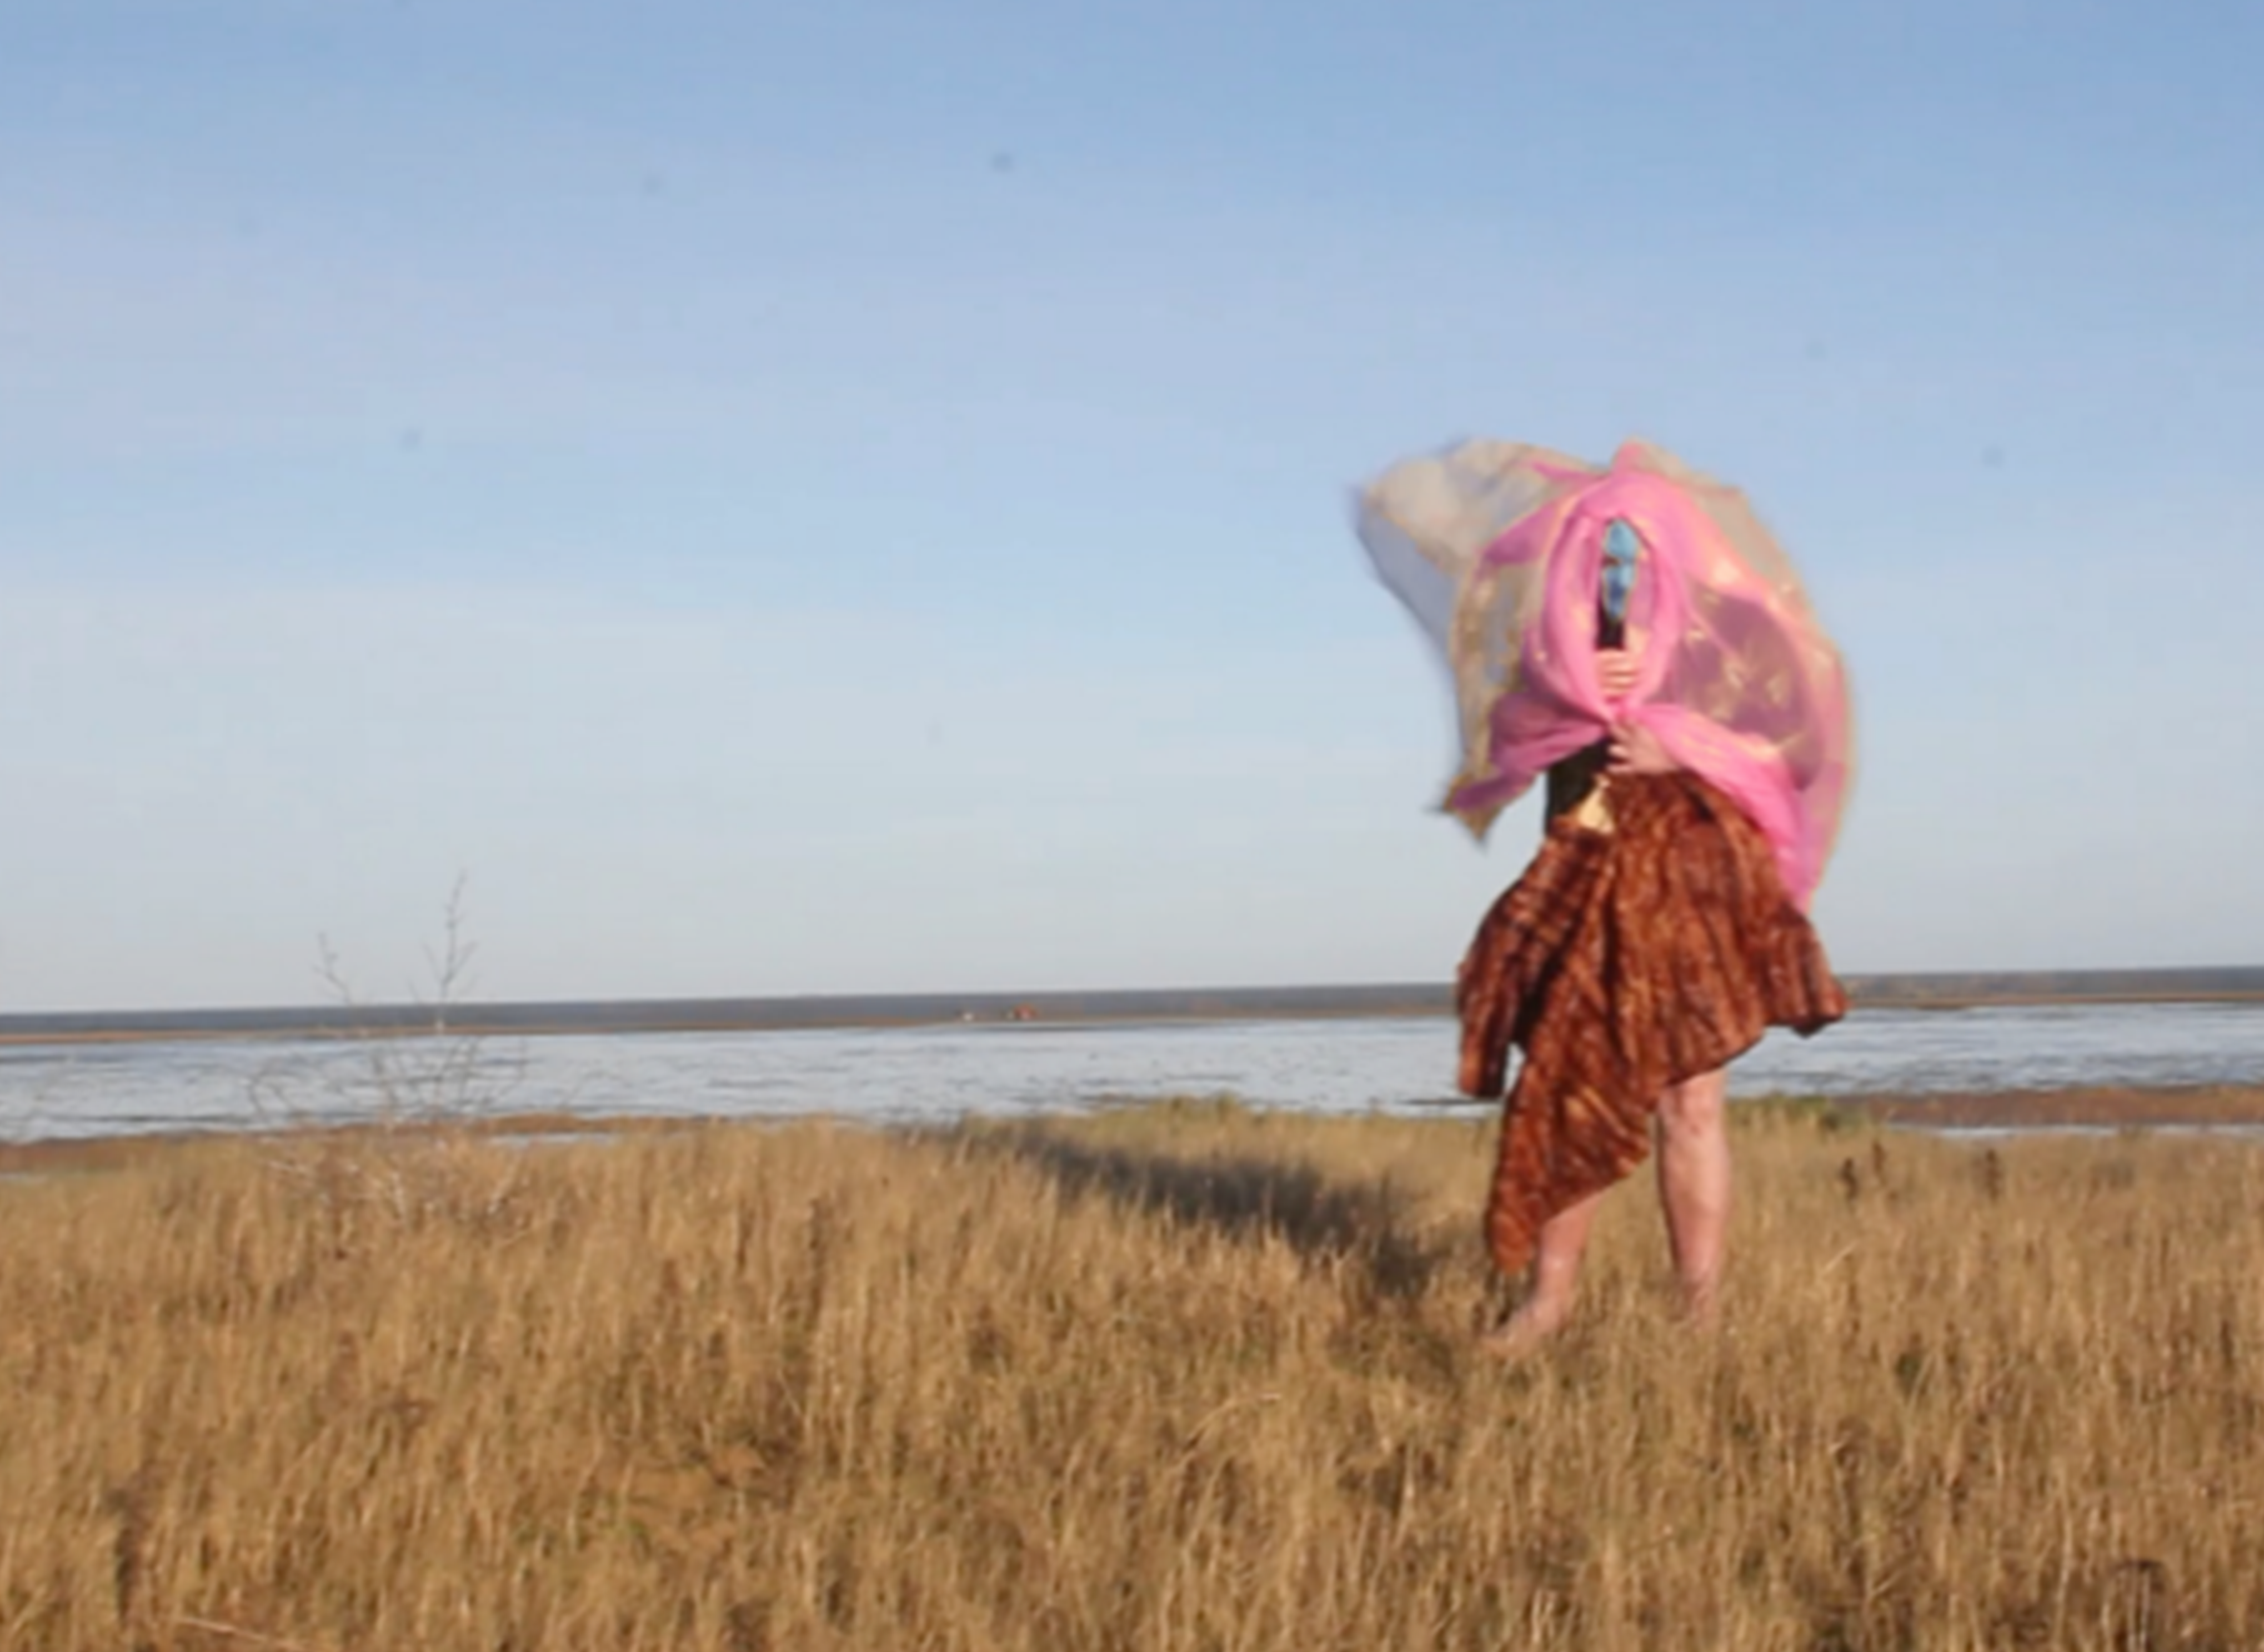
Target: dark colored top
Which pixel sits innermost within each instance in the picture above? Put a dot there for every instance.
(1571, 779)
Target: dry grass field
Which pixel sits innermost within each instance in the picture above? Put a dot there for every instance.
(1183, 1376)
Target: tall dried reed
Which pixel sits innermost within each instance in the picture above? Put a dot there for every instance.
(1183, 1376)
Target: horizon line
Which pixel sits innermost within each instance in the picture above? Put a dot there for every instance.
(783, 1011)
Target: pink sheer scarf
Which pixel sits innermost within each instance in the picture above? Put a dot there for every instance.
(1498, 549)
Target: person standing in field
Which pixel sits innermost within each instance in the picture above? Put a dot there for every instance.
(1632, 634)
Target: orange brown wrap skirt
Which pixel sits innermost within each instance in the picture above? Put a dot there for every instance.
(1630, 955)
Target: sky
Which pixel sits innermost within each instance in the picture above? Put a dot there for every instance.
(855, 498)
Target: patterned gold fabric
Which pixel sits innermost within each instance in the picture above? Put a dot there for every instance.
(1624, 960)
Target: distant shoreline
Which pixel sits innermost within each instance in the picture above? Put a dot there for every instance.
(1930, 991)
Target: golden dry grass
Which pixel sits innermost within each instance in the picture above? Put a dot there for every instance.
(1179, 1377)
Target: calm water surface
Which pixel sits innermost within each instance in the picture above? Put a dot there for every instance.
(933, 1074)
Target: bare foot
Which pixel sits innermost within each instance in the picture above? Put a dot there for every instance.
(1523, 1334)
(1701, 1310)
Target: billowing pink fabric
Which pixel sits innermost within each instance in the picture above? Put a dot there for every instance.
(1497, 549)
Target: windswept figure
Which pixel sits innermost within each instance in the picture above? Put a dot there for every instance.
(1632, 635)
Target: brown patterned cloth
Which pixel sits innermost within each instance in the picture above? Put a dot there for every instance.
(1624, 960)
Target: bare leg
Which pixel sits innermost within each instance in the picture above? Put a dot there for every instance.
(1556, 1273)
(1693, 1184)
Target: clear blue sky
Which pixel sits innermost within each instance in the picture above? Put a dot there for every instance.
(852, 496)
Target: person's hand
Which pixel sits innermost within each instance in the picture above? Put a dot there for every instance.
(1636, 750)
(1614, 672)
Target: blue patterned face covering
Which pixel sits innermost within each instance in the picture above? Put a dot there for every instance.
(1621, 548)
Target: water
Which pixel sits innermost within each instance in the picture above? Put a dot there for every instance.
(933, 1074)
